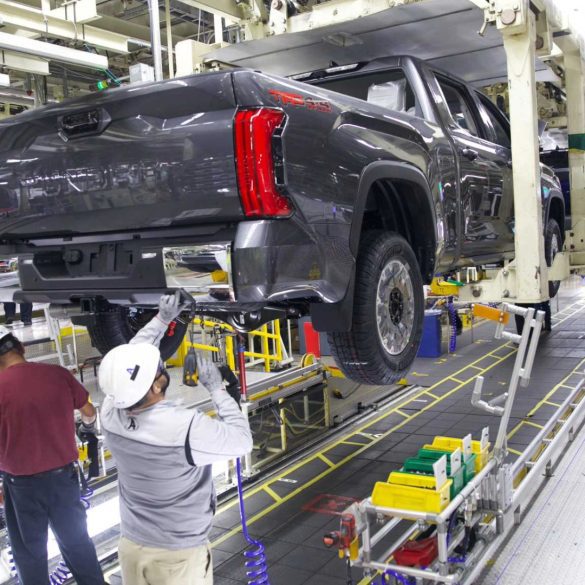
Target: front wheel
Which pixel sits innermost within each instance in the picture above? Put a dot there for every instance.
(388, 312)
(120, 324)
(553, 242)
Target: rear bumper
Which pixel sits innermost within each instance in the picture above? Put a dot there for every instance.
(265, 262)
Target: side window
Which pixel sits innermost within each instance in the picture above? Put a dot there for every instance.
(388, 89)
(499, 124)
(394, 94)
(458, 106)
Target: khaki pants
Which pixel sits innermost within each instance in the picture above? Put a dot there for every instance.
(142, 565)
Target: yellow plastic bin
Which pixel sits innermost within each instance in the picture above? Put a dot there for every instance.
(451, 443)
(405, 497)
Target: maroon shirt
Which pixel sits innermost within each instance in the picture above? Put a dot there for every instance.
(37, 427)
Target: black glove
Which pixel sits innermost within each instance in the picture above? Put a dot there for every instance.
(232, 383)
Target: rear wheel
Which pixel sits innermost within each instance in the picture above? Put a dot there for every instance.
(120, 324)
(388, 312)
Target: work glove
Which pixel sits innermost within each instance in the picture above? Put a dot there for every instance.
(170, 307)
(209, 374)
(85, 430)
(232, 383)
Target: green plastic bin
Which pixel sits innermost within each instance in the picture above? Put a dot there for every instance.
(467, 465)
(425, 467)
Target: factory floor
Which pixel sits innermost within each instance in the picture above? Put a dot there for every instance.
(291, 510)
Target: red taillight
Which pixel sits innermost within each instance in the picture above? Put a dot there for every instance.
(254, 132)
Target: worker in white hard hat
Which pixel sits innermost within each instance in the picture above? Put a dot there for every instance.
(163, 453)
(38, 460)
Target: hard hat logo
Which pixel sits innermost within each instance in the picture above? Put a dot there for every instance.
(133, 372)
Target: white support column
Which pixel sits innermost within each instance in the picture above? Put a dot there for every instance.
(218, 27)
(169, 28)
(575, 85)
(518, 26)
(156, 47)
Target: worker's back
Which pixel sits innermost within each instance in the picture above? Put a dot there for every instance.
(47, 395)
(165, 502)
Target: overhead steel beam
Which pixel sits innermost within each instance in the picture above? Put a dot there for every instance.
(32, 19)
(225, 8)
(52, 52)
(80, 11)
(122, 27)
(17, 97)
(25, 63)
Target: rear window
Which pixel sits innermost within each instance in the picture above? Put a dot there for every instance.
(388, 89)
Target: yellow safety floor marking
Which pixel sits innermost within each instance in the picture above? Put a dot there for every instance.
(497, 360)
(325, 460)
(354, 443)
(550, 403)
(272, 493)
(561, 384)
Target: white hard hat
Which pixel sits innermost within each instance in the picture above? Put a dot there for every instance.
(128, 371)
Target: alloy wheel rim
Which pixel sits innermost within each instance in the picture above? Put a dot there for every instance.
(395, 307)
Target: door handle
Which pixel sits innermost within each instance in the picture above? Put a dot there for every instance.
(469, 153)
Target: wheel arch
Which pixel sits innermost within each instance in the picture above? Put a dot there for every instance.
(403, 198)
(401, 194)
(555, 209)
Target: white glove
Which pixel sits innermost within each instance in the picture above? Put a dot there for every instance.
(209, 374)
(169, 307)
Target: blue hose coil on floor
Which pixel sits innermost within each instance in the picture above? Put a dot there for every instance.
(256, 563)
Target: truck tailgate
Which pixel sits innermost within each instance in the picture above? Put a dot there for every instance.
(133, 158)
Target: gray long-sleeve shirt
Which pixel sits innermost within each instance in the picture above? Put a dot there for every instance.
(164, 501)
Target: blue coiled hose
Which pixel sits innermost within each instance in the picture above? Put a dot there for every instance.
(256, 563)
(453, 322)
(61, 573)
(397, 576)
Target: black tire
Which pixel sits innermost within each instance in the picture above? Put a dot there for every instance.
(553, 243)
(547, 323)
(119, 325)
(361, 353)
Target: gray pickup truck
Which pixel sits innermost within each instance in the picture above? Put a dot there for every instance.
(338, 194)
